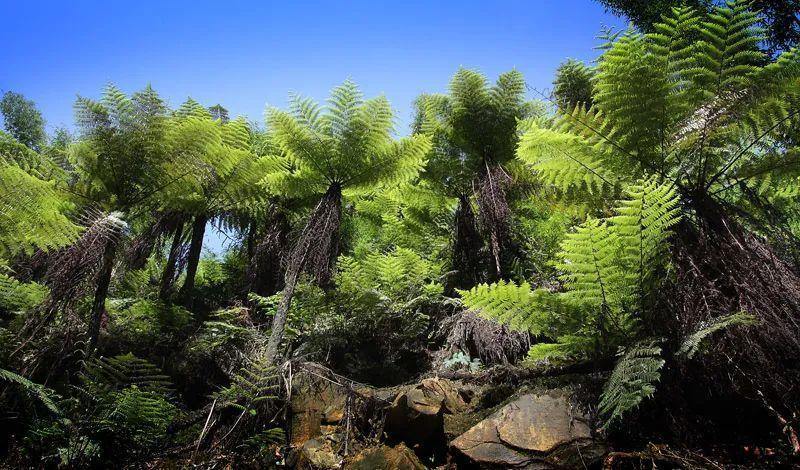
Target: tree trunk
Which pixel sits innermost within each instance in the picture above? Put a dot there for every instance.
(495, 217)
(264, 272)
(467, 245)
(169, 269)
(193, 257)
(315, 245)
(101, 292)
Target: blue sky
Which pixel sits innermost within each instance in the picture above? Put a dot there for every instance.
(247, 55)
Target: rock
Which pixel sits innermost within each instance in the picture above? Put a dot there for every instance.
(534, 431)
(315, 402)
(317, 454)
(416, 416)
(399, 457)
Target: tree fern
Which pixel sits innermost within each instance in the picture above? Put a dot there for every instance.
(347, 148)
(608, 268)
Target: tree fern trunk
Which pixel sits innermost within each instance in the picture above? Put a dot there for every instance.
(169, 269)
(313, 251)
(193, 257)
(495, 217)
(467, 244)
(101, 292)
(264, 273)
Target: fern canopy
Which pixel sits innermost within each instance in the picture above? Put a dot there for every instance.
(703, 112)
(347, 143)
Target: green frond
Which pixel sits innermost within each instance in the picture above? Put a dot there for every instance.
(32, 214)
(125, 371)
(519, 306)
(632, 380)
(694, 342)
(565, 160)
(19, 296)
(43, 394)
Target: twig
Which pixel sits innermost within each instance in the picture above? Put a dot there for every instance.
(205, 427)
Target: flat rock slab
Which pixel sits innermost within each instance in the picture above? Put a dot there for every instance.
(533, 431)
(540, 423)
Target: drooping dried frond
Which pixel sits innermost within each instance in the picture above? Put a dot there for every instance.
(70, 268)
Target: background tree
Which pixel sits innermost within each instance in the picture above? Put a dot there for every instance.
(475, 131)
(780, 18)
(343, 147)
(224, 177)
(22, 120)
(573, 84)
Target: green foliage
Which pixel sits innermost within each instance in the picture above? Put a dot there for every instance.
(33, 215)
(22, 119)
(633, 380)
(106, 374)
(122, 158)
(346, 143)
(19, 296)
(691, 103)
(42, 394)
(401, 275)
(140, 416)
(779, 16)
(255, 384)
(227, 328)
(142, 324)
(461, 360)
(475, 124)
(573, 84)
(695, 342)
(608, 269)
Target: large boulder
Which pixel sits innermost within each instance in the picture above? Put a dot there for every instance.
(416, 416)
(537, 430)
(399, 457)
(315, 403)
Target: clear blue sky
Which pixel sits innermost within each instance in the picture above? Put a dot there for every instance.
(246, 55)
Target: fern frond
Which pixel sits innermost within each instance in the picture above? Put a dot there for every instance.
(43, 394)
(632, 380)
(693, 343)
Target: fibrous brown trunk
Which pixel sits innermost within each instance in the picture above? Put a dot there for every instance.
(313, 251)
(722, 267)
(266, 256)
(495, 217)
(168, 277)
(467, 244)
(193, 257)
(101, 292)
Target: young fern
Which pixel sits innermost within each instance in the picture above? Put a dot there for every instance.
(632, 380)
(695, 342)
